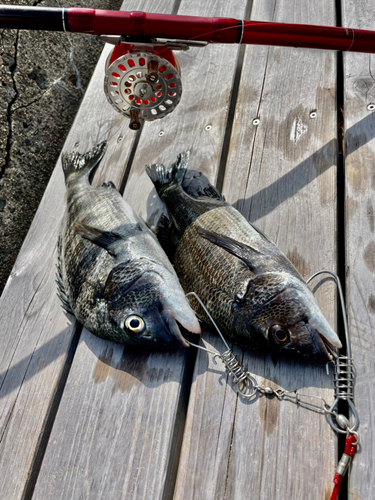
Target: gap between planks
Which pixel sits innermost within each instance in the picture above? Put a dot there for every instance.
(232, 108)
(341, 236)
(50, 416)
(178, 431)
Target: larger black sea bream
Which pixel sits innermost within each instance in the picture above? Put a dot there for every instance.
(113, 275)
(253, 292)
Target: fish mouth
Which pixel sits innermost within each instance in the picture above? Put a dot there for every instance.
(331, 350)
(323, 350)
(327, 339)
(173, 328)
(174, 317)
(323, 337)
(179, 337)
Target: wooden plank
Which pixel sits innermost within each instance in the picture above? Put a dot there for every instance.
(360, 240)
(198, 123)
(37, 336)
(123, 440)
(280, 174)
(114, 430)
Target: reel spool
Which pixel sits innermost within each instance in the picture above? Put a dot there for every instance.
(142, 83)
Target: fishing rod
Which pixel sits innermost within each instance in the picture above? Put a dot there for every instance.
(142, 75)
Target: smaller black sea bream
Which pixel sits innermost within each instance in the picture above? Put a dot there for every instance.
(112, 273)
(253, 292)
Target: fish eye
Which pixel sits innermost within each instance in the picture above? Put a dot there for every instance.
(135, 324)
(280, 334)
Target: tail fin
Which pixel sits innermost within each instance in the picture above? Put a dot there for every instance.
(163, 176)
(75, 164)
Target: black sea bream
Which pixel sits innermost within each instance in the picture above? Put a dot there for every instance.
(113, 275)
(253, 292)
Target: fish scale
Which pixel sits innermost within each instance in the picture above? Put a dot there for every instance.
(217, 277)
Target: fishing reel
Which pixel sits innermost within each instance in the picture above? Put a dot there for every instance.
(142, 81)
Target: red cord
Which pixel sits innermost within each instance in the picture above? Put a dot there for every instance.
(337, 480)
(350, 449)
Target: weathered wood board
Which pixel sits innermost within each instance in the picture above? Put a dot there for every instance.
(122, 439)
(281, 174)
(37, 336)
(359, 71)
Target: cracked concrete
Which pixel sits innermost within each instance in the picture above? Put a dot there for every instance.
(40, 92)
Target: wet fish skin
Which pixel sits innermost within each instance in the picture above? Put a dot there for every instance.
(112, 273)
(253, 292)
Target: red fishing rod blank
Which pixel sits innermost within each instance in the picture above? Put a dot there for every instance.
(141, 25)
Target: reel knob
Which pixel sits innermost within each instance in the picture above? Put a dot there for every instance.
(135, 123)
(142, 85)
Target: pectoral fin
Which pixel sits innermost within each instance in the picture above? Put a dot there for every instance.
(236, 248)
(104, 239)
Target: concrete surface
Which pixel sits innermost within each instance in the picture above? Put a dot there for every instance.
(39, 97)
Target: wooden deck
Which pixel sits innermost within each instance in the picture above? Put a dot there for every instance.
(81, 418)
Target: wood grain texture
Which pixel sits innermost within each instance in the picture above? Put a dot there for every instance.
(280, 174)
(122, 439)
(207, 78)
(36, 334)
(113, 433)
(359, 71)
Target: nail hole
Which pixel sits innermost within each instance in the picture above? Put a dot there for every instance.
(256, 121)
(208, 128)
(371, 106)
(313, 114)
(161, 133)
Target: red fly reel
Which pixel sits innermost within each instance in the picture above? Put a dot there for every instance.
(142, 82)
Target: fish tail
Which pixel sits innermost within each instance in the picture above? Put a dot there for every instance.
(163, 176)
(75, 164)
